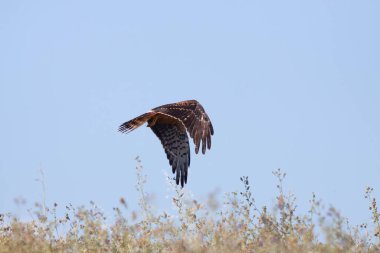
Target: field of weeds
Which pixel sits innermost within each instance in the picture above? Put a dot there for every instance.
(235, 225)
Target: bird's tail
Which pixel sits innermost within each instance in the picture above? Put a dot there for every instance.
(131, 125)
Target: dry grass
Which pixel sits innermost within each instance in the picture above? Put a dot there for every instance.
(237, 225)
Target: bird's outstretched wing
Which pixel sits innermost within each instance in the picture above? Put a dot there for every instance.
(176, 145)
(169, 122)
(194, 118)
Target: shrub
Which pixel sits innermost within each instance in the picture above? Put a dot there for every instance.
(238, 225)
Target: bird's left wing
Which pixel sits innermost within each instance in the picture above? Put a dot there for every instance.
(194, 118)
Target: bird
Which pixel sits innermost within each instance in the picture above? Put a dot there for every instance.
(170, 123)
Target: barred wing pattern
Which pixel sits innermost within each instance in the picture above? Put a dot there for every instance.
(195, 119)
(169, 123)
(177, 149)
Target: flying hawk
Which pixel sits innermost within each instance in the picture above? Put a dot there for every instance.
(169, 122)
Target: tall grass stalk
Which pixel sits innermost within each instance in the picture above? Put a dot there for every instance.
(236, 225)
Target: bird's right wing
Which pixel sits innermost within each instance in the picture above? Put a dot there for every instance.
(176, 145)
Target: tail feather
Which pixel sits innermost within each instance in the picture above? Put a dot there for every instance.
(131, 125)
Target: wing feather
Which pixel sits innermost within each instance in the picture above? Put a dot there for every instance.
(176, 146)
(194, 118)
(169, 123)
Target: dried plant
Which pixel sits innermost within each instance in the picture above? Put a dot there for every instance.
(239, 225)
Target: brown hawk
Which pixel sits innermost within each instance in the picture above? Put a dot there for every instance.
(169, 122)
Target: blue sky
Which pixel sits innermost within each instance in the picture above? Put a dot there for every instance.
(288, 84)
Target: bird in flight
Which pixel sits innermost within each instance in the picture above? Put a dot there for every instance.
(169, 122)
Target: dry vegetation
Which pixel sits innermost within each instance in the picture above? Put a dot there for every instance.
(237, 225)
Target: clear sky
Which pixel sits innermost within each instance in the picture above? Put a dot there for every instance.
(288, 84)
